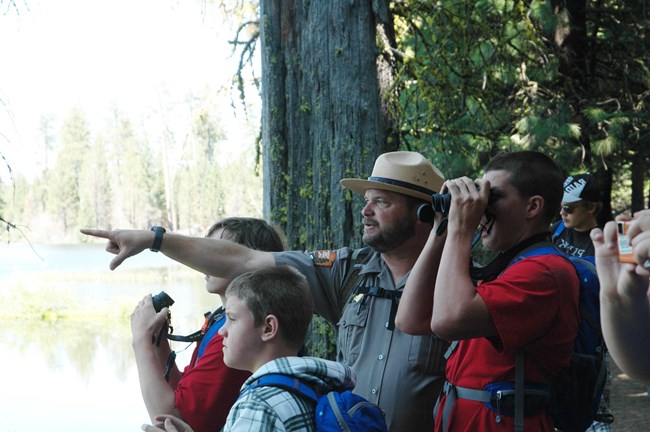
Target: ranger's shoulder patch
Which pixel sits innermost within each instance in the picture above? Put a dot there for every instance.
(323, 258)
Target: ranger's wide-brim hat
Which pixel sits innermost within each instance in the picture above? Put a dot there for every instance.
(404, 172)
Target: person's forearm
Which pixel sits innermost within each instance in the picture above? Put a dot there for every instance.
(221, 258)
(158, 395)
(416, 304)
(626, 329)
(454, 292)
(624, 306)
(215, 257)
(162, 354)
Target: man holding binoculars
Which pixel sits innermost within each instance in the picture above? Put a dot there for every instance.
(532, 303)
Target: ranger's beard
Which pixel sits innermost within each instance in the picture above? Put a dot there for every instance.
(391, 237)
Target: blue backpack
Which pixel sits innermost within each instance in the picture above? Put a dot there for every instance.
(576, 393)
(335, 411)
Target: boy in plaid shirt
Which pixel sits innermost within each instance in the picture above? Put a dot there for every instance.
(268, 314)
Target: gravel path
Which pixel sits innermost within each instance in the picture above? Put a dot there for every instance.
(630, 403)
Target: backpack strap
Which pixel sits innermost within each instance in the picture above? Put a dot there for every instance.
(353, 281)
(344, 413)
(519, 390)
(498, 397)
(391, 295)
(352, 278)
(451, 349)
(285, 382)
(453, 392)
(197, 336)
(558, 230)
(552, 249)
(584, 313)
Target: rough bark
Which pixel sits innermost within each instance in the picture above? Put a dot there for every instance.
(321, 114)
(639, 171)
(322, 120)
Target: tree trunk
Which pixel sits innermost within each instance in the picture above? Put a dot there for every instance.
(322, 120)
(571, 39)
(605, 180)
(321, 115)
(168, 176)
(639, 171)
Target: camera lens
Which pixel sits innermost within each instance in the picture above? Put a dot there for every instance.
(161, 300)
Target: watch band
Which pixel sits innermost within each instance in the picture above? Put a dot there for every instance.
(157, 240)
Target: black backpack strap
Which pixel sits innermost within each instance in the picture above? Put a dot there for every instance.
(353, 281)
(391, 295)
(519, 390)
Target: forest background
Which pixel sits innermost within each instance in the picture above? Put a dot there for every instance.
(108, 118)
(343, 81)
(323, 87)
(456, 80)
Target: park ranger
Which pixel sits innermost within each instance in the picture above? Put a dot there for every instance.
(357, 290)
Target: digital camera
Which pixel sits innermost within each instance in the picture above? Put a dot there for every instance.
(625, 251)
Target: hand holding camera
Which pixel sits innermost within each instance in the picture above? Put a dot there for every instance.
(160, 301)
(633, 239)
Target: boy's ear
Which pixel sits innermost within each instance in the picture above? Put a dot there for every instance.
(271, 328)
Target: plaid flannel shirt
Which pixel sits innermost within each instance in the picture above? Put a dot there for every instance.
(268, 408)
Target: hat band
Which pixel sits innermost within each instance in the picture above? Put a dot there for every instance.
(401, 184)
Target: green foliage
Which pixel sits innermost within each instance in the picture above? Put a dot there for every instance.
(94, 188)
(130, 164)
(321, 339)
(63, 181)
(114, 178)
(490, 75)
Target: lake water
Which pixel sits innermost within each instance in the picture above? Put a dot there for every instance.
(65, 343)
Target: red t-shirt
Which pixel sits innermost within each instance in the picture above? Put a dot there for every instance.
(208, 388)
(533, 304)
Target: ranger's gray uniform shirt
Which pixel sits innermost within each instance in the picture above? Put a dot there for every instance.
(401, 373)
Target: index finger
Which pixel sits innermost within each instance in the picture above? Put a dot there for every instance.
(95, 232)
(483, 186)
(150, 428)
(459, 185)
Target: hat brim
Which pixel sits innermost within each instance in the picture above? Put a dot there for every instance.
(360, 186)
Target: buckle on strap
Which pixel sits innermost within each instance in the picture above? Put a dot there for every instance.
(448, 389)
(391, 295)
(498, 397)
(453, 392)
(456, 392)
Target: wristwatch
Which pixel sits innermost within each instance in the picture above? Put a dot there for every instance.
(157, 240)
